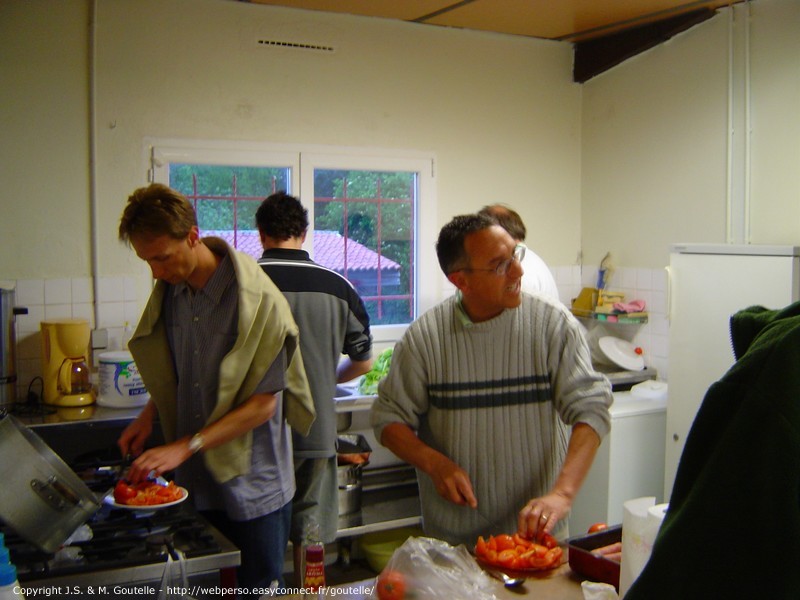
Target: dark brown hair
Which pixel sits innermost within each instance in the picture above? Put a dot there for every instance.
(450, 245)
(156, 210)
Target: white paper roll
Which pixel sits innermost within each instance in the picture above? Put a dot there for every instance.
(641, 520)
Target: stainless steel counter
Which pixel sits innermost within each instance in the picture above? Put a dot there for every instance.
(81, 416)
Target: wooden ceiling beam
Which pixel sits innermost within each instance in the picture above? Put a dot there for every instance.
(597, 55)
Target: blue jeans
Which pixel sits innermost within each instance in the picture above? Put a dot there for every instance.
(262, 542)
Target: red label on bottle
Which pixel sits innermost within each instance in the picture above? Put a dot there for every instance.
(315, 568)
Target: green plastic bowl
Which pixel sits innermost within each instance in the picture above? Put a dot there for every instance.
(379, 546)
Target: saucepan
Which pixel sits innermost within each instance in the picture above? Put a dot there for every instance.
(38, 487)
(352, 453)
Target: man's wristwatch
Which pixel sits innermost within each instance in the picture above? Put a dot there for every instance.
(196, 443)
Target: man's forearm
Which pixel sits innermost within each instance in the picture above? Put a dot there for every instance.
(255, 411)
(350, 369)
(583, 445)
(404, 443)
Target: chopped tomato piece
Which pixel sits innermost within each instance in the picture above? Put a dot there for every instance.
(504, 542)
(506, 557)
(480, 547)
(521, 541)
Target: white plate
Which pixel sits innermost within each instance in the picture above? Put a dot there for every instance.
(621, 353)
(148, 507)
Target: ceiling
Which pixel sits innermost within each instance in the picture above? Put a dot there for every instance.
(604, 33)
(563, 20)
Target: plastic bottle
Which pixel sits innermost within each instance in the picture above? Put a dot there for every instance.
(313, 558)
(9, 586)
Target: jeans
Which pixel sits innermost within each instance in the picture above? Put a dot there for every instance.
(262, 542)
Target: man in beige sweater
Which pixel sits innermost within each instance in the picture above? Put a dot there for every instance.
(217, 348)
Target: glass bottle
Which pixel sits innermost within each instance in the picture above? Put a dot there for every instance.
(313, 558)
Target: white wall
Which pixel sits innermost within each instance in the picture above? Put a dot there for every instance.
(500, 113)
(655, 140)
(629, 162)
(44, 152)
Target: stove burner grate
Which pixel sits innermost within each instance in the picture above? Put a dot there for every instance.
(120, 539)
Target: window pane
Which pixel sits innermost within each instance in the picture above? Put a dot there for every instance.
(364, 229)
(227, 181)
(226, 198)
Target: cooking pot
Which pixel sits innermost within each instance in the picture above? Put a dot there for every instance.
(41, 498)
(352, 454)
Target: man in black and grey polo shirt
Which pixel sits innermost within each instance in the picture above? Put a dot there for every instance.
(333, 322)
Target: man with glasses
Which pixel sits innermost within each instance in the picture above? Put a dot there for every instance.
(483, 391)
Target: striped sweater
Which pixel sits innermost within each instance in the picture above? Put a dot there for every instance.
(498, 398)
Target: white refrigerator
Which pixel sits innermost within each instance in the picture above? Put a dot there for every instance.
(707, 284)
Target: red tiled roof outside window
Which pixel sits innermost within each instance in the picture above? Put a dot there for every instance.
(329, 250)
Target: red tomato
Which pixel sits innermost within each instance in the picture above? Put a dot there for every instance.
(391, 585)
(521, 541)
(123, 492)
(507, 558)
(538, 562)
(480, 546)
(504, 542)
(548, 541)
(539, 550)
(597, 527)
(554, 555)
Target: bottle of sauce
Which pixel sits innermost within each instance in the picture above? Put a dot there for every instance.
(313, 558)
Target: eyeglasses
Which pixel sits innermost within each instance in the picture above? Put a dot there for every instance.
(502, 267)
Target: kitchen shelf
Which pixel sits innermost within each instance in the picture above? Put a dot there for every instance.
(381, 509)
(612, 318)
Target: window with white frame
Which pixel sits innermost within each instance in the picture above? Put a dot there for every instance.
(371, 213)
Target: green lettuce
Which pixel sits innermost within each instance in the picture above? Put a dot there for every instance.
(369, 383)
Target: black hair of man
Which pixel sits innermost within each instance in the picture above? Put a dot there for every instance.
(450, 245)
(281, 216)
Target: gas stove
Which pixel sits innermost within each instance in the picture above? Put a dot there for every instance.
(127, 548)
(127, 552)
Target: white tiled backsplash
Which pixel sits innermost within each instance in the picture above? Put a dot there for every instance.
(649, 285)
(121, 300)
(69, 298)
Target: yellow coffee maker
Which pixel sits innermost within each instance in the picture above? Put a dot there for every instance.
(65, 362)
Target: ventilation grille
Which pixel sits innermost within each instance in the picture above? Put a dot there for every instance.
(296, 46)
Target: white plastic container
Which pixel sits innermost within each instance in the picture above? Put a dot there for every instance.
(121, 386)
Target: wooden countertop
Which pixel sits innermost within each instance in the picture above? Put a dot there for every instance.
(560, 584)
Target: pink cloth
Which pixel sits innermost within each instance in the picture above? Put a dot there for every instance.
(629, 307)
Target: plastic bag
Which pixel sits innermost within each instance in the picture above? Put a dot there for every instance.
(433, 569)
(174, 583)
